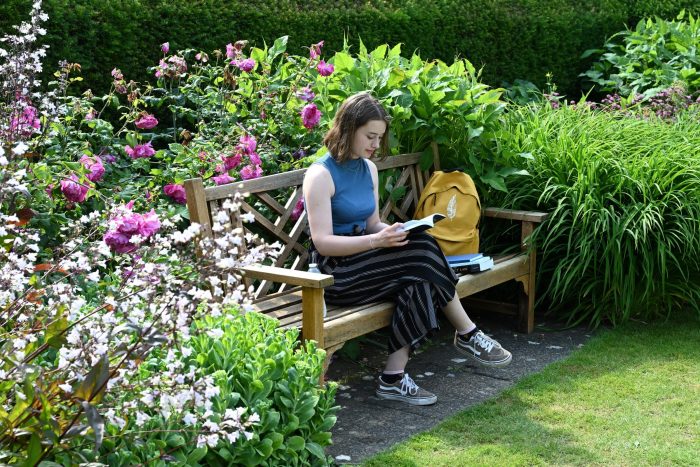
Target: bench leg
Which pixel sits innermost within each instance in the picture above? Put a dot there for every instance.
(526, 305)
(329, 355)
(526, 295)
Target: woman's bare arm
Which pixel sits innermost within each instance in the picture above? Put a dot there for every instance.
(318, 189)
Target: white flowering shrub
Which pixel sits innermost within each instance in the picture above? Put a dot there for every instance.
(79, 330)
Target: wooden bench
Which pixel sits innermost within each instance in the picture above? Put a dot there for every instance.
(294, 296)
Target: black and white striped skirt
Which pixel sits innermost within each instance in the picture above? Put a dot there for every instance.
(416, 276)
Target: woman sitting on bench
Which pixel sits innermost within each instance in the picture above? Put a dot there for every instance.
(371, 260)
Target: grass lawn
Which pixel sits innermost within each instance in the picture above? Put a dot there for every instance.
(629, 397)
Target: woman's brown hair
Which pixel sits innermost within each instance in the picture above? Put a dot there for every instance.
(353, 113)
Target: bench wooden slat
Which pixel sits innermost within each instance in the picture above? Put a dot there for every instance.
(290, 276)
(515, 215)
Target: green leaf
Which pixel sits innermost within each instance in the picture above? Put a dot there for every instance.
(175, 440)
(343, 62)
(93, 386)
(278, 47)
(296, 443)
(131, 139)
(258, 55)
(55, 336)
(474, 132)
(380, 52)
(196, 455)
(34, 451)
(315, 450)
(96, 422)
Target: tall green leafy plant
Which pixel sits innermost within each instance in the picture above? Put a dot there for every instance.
(429, 101)
(652, 57)
(623, 240)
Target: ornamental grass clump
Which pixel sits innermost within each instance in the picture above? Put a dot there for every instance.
(623, 240)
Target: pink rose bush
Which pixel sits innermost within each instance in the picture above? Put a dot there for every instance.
(129, 229)
(246, 147)
(175, 192)
(73, 190)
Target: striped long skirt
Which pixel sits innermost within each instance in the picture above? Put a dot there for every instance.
(416, 276)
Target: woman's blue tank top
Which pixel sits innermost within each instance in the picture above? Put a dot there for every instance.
(353, 201)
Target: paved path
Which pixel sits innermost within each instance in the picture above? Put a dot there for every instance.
(367, 425)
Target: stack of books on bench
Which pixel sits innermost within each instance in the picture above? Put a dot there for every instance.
(474, 262)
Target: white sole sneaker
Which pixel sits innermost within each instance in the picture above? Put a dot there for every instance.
(412, 400)
(489, 363)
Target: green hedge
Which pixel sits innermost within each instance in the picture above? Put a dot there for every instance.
(509, 38)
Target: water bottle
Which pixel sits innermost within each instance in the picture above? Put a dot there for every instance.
(313, 267)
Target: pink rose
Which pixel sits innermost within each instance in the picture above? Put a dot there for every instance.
(298, 209)
(94, 165)
(255, 159)
(175, 192)
(246, 65)
(118, 242)
(306, 94)
(128, 224)
(223, 179)
(140, 150)
(25, 123)
(247, 144)
(146, 122)
(149, 224)
(325, 69)
(310, 116)
(231, 162)
(315, 50)
(165, 47)
(73, 190)
(251, 171)
(230, 51)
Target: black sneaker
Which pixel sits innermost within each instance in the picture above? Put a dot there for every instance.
(483, 349)
(405, 390)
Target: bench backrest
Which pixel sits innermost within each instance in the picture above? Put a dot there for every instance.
(271, 200)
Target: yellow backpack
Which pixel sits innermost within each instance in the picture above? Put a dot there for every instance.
(454, 195)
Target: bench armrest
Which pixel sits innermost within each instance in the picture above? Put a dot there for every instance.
(512, 214)
(288, 276)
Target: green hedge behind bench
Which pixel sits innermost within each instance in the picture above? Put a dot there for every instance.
(509, 38)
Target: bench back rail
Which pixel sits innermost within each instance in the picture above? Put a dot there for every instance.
(272, 199)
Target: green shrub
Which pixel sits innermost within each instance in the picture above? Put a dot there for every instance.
(653, 57)
(623, 240)
(510, 39)
(257, 367)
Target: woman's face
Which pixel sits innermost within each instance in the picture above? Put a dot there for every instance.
(367, 139)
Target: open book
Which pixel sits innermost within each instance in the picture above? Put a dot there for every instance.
(419, 225)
